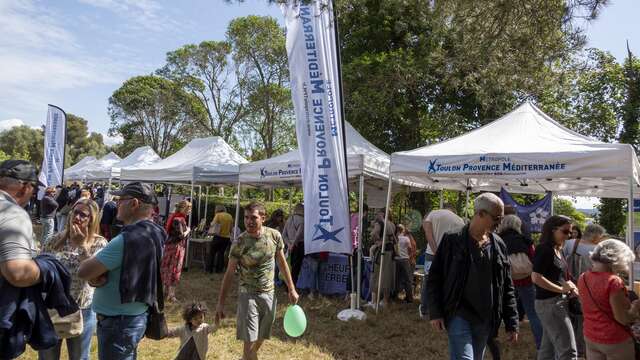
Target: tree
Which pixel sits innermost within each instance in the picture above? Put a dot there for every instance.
(81, 143)
(155, 111)
(23, 142)
(206, 72)
(258, 45)
(565, 207)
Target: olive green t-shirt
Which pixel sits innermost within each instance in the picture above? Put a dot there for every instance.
(256, 259)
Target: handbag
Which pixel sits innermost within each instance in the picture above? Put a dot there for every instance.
(636, 342)
(521, 266)
(156, 322)
(67, 326)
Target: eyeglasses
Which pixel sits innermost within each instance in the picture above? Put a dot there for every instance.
(495, 218)
(33, 184)
(83, 215)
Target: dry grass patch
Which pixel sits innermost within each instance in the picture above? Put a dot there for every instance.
(396, 333)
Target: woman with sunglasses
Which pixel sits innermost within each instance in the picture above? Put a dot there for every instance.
(78, 241)
(553, 290)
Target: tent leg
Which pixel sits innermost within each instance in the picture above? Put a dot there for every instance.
(466, 202)
(199, 205)
(237, 219)
(441, 198)
(290, 200)
(630, 225)
(360, 222)
(188, 262)
(553, 210)
(384, 237)
(206, 204)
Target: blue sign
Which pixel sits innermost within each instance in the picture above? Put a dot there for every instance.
(533, 216)
(330, 277)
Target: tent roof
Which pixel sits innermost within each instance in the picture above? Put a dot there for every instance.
(362, 157)
(100, 169)
(524, 151)
(203, 160)
(139, 157)
(75, 172)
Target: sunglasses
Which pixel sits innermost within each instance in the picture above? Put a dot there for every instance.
(566, 232)
(33, 184)
(495, 218)
(83, 215)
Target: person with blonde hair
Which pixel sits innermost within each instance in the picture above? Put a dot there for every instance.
(175, 248)
(606, 307)
(78, 241)
(221, 227)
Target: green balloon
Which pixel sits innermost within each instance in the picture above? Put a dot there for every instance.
(295, 322)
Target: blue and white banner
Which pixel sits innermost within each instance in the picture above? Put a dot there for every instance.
(315, 89)
(534, 215)
(54, 140)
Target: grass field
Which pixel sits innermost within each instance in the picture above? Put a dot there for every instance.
(396, 333)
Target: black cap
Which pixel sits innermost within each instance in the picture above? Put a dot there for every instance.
(20, 170)
(141, 191)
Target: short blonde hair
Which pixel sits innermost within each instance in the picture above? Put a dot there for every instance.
(183, 206)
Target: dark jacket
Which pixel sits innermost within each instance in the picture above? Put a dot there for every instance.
(141, 258)
(516, 242)
(23, 311)
(48, 207)
(448, 277)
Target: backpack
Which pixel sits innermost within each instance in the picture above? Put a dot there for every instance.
(521, 266)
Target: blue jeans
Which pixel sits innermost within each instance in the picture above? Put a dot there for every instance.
(78, 347)
(467, 340)
(527, 295)
(118, 336)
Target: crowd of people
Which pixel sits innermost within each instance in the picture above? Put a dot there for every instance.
(105, 265)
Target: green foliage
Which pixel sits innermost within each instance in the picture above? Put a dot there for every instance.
(565, 207)
(80, 143)
(155, 111)
(611, 215)
(4, 156)
(23, 142)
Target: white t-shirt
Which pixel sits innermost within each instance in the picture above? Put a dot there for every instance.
(443, 221)
(404, 244)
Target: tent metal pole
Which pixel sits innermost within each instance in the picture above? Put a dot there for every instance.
(441, 198)
(206, 204)
(630, 225)
(553, 210)
(360, 224)
(199, 205)
(290, 199)
(237, 219)
(384, 237)
(188, 262)
(466, 203)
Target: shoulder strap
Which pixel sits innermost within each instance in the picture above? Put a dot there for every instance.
(626, 328)
(575, 247)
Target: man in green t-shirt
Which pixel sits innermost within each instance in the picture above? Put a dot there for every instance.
(254, 254)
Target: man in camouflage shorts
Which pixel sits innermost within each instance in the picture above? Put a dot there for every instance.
(253, 253)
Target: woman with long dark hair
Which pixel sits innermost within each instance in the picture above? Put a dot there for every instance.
(553, 291)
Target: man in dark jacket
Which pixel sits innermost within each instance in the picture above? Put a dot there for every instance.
(469, 285)
(131, 262)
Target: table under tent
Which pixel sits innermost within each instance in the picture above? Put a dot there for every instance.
(525, 151)
(202, 161)
(367, 168)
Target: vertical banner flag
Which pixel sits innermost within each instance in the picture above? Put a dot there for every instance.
(54, 140)
(315, 89)
(534, 215)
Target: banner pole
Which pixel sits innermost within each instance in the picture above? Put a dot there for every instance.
(630, 237)
(360, 224)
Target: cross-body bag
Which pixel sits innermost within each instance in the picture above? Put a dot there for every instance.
(636, 344)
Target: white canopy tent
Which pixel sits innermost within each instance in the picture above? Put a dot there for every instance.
(75, 172)
(138, 158)
(204, 160)
(201, 160)
(364, 162)
(101, 169)
(524, 151)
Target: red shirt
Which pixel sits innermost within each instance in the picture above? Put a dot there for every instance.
(601, 327)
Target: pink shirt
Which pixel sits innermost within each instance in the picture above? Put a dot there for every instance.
(600, 327)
